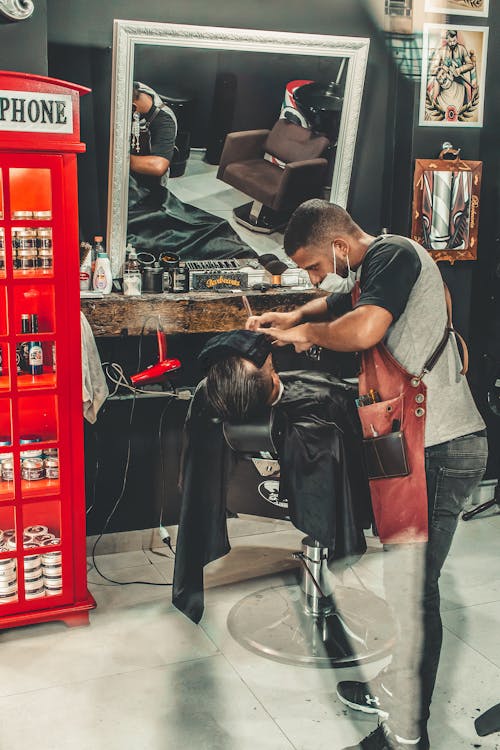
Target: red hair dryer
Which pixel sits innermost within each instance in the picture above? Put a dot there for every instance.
(155, 373)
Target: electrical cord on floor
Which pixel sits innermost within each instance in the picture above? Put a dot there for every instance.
(125, 476)
(164, 534)
(96, 472)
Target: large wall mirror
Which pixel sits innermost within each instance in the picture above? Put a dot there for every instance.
(186, 62)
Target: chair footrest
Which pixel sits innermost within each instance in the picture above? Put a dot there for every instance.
(267, 222)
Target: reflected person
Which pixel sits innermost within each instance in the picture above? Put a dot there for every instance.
(157, 219)
(152, 141)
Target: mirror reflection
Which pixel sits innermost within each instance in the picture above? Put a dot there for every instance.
(260, 121)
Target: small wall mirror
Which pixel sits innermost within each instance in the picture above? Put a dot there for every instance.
(188, 59)
(445, 214)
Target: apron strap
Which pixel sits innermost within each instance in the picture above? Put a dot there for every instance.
(431, 362)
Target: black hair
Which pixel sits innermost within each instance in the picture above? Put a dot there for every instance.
(316, 222)
(135, 91)
(237, 390)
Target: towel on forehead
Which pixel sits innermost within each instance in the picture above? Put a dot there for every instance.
(255, 347)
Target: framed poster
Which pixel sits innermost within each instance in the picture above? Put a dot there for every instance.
(453, 75)
(445, 211)
(478, 8)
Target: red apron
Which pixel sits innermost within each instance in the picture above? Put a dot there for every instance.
(399, 503)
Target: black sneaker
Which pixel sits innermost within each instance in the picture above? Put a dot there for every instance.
(383, 739)
(362, 696)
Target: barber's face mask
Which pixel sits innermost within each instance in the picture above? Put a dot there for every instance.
(333, 282)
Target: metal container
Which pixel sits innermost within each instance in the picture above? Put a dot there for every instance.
(32, 469)
(7, 471)
(51, 468)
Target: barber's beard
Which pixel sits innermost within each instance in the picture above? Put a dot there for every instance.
(335, 283)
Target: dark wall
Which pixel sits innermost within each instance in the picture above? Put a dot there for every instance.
(23, 44)
(77, 32)
(389, 139)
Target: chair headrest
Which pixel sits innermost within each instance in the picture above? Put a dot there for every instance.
(290, 142)
(251, 438)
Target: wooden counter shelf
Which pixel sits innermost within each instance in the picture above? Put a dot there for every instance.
(191, 312)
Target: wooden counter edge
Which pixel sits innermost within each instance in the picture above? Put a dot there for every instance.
(192, 312)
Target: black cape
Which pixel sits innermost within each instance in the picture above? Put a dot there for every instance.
(323, 477)
(158, 221)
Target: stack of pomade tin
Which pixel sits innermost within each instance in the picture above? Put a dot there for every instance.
(35, 463)
(42, 571)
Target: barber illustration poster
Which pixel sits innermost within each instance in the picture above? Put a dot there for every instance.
(453, 73)
(458, 7)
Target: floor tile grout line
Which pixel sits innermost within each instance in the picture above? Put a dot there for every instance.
(113, 674)
(240, 677)
(478, 604)
(479, 653)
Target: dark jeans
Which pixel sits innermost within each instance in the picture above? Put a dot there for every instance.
(411, 580)
(453, 470)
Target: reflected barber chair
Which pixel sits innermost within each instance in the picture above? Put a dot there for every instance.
(312, 622)
(278, 168)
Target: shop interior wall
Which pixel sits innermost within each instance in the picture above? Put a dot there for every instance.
(80, 39)
(23, 44)
(389, 139)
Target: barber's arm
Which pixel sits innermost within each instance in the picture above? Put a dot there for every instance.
(317, 309)
(156, 166)
(355, 331)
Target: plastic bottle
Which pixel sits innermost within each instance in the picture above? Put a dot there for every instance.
(96, 249)
(103, 279)
(132, 280)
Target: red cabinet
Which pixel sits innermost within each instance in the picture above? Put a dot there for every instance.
(42, 503)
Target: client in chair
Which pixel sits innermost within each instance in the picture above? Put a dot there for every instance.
(317, 437)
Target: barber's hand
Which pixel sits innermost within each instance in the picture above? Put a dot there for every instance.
(282, 321)
(296, 336)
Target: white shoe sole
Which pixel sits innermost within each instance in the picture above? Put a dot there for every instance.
(365, 709)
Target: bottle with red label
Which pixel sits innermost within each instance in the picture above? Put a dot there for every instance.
(85, 267)
(35, 351)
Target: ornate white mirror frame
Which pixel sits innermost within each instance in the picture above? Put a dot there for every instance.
(128, 34)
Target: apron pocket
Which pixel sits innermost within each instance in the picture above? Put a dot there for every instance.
(377, 419)
(385, 456)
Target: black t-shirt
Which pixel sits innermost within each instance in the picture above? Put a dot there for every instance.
(157, 134)
(156, 138)
(390, 269)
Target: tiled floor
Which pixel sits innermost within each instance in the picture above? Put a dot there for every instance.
(144, 677)
(200, 187)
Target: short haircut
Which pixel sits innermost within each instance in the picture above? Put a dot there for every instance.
(316, 222)
(451, 32)
(136, 91)
(237, 390)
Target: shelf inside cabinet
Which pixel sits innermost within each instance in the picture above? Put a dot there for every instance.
(30, 193)
(46, 381)
(38, 418)
(39, 489)
(7, 492)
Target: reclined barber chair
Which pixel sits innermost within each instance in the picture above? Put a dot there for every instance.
(308, 623)
(278, 168)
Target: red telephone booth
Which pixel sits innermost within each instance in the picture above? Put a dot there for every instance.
(42, 502)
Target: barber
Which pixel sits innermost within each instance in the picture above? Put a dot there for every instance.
(153, 133)
(411, 366)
